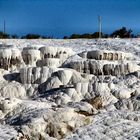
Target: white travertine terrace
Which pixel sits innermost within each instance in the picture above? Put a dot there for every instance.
(51, 62)
(106, 55)
(10, 57)
(13, 90)
(31, 56)
(56, 52)
(53, 93)
(120, 69)
(103, 62)
(103, 68)
(36, 75)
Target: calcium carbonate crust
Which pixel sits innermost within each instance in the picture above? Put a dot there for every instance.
(70, 89)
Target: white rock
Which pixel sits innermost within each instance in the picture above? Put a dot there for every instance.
(123, 93)
(31, 56)
(52, 83)
(65, 76)
(13, 90)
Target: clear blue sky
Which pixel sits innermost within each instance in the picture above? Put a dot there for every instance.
(64, 17)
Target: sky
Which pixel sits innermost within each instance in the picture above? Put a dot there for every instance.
(64, 17)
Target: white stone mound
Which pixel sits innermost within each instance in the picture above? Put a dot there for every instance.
(31, 56)
(44, 56)
(89, 90)
(56, 52)
(10, 57)
(106, 55)
(12, 90)
(100, 66)
(51, 62)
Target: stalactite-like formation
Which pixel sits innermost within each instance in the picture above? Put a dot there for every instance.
(56, 52)
(31, 56)
(105, 55)
(10, 57)
(45, 56)
(99, 68)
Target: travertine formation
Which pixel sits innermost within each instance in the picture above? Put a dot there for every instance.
(31, 56)
(10, 57)
(104, 63)
(103, 68)
(106, 55)
(52, 92)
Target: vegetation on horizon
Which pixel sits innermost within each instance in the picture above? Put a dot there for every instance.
(121, 33)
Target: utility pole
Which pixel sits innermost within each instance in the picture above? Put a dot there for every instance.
(100, 26)
(4, 26)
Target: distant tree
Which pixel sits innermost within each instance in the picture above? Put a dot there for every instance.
(65, 37)
(4, 35)
(31, 36)
(50, 37)
(14, 36)
(105, 36)
(43, 37)
(96, 35)
(87, 35)
(74, 36)
(36, 36)
(122, 33)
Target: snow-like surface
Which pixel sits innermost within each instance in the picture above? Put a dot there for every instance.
(70, 89)
(126, 45)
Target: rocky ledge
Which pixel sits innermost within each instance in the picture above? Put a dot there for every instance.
(50, 92)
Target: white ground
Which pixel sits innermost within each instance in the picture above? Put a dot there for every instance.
(119, 122)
